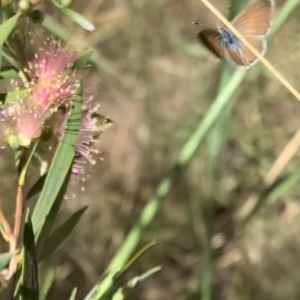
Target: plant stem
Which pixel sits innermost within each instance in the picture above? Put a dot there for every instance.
(18, 212)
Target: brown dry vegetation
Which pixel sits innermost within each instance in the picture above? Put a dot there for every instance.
(163, 84)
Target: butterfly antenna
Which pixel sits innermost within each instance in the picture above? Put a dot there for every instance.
(219, 25)
(200, 24)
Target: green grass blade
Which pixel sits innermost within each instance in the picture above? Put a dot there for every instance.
(114, 278)
(216, 140)
(60, 166)
(274, 192)
(210, 118)
(127, 289)
(287, 9)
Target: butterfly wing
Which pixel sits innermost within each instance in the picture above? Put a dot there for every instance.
(242, 56)
(256, 18)
(211, 39)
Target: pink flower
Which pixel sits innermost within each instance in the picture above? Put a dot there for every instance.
(23, 121)
(52, 83)
(52, 79)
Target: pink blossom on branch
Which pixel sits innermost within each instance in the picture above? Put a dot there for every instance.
(52, 83)
(52, 80)
(23, 121)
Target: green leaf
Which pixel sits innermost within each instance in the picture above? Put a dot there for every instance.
(81, 61)
(55, 240)
(60, 166)
(30, 282)
(75, 17)
(107, 287)
(1, 12)
(269, 195)
(141, 252)
(286, 10)
(4, 260)
(73, 295)
(48, 283)
(7, 27)
(36, 188)
(125, 290)
(1, 57)
(50, 220)
(8, 73)
(15, 95)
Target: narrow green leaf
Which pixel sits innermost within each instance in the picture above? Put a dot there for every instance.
(36, 188)
(1, 12)
(56, 28)
(75, 17)
(29, 283)
(50, 220)
(55, 240)
(139, 254)
(107, 287)
(73, 295)
(286, 10)
(4, 260)
(81, 61)
(279, 187)
(60, 165)
(1, 56)
(15, 95)
(7, 27)
(125, 291)
(8, 73)
(48, 283)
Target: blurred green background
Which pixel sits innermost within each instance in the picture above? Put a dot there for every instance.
(156, 82)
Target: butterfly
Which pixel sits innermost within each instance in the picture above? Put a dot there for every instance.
(254, 23)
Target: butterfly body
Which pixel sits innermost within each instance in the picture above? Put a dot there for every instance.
(254, 23)
(228, 39)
